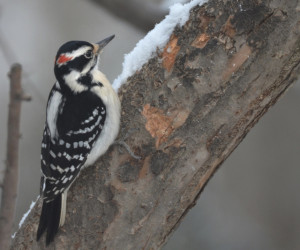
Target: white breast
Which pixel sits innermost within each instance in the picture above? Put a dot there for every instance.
(112, 122)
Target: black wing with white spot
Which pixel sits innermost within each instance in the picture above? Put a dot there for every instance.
(68, 142)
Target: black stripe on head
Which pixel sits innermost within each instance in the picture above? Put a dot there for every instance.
(70, 46)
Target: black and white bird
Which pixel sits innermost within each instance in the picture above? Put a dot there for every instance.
(82, 121)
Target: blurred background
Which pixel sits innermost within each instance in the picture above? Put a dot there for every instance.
(252, 202)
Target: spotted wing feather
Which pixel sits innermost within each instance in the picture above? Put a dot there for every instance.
(79, 123)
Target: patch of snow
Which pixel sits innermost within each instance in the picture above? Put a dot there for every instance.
(145, 49)
(25, 215)
(14, 235)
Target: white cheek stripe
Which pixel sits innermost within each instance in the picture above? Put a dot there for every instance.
(71, 80)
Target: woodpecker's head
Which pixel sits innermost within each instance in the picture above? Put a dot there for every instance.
(74, 60)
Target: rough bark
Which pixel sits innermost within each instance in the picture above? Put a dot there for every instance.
(184, 112)
(10, 179)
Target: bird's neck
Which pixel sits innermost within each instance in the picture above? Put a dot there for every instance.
(70, 82)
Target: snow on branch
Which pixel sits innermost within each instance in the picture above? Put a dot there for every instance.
(157, 38)
(25, 215)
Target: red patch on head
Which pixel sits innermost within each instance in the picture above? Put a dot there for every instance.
(63, 58)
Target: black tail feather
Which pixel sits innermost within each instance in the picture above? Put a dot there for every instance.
(43, 220)
(49, 219)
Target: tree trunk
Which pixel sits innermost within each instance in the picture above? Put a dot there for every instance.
(184, 112)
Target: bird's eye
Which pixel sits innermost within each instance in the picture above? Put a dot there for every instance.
(88, 54)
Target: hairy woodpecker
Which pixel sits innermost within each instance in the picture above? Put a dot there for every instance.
(82, 121)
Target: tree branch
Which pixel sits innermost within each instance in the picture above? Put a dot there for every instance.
(191, 106)
(10, 180)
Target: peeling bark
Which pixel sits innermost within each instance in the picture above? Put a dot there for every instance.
(226, 67)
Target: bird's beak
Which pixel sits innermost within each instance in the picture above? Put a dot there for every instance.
(100, 45)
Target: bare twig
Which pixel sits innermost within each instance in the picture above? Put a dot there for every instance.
(10, 57)
(125, 145)
(10, 181)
